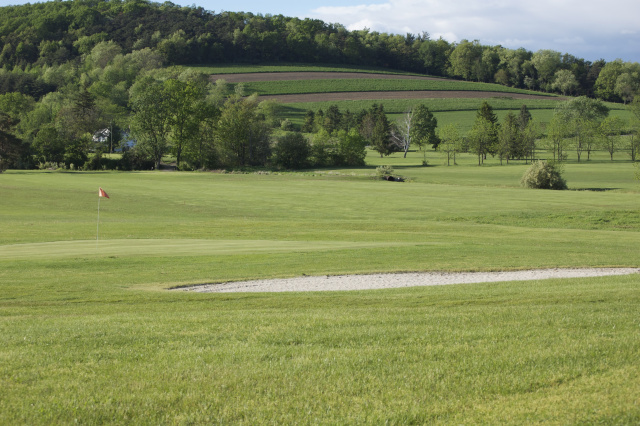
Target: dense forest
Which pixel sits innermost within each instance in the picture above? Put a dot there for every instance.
(71, 69)
(41, 36)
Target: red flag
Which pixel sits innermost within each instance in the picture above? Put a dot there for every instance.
(101, 193)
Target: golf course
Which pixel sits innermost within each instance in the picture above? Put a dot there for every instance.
(319, 213)
(91, 334)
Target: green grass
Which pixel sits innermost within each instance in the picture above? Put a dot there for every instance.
(558, 351)
(290, 67)
(459, 111)
(373, 85)
(89, 334)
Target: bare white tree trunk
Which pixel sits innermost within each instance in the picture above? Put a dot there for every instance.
(401, 134)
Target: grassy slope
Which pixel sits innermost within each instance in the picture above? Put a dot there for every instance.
(292, 67)
(88, 335)
(373, 85)
(456, 110)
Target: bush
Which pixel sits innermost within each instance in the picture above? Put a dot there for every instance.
(323, 150)
(292, 151)
(351, 149)
(544, 175)
(383, 171)
(287, 125)
(134, 159)
(93, 163)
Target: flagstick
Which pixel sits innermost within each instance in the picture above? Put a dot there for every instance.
(98, 225)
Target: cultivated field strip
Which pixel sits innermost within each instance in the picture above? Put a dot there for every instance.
(314, 75)
(415, 94)
(327, 86)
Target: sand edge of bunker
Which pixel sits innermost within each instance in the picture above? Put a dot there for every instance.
(399, 280)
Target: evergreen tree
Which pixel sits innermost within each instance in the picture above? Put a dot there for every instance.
(483, 137)
(376, 130)
(523, 118)
(309, 118)
(424, 127)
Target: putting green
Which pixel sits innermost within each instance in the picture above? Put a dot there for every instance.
(173, 247)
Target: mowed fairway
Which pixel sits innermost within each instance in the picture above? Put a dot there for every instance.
(89, 334)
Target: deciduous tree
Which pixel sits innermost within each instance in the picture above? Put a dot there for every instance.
(546, 62)
(558, 132)
(609, 133)
(151, 118)
(582, 116)
(187, 107)
(565, 82)
(10, 145)
(451, 142)
(401, 132)
(351, 148)
(292, 151)
(241, 136)
(483, 137)
(508, 138)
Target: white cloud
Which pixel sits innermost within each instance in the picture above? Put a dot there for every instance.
(570, 26)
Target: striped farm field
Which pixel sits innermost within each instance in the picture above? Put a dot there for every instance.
(333, 86)
(303, 88)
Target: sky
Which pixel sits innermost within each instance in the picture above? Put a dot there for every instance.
(588, 29)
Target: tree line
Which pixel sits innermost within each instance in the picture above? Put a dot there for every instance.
(39, 39)
(581, 125)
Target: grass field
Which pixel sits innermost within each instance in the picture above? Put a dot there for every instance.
(89, 334)
(372, 85)
(458, 111)
(455, 109)
(291, 67)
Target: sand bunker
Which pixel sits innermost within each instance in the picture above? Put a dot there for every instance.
(380, 281)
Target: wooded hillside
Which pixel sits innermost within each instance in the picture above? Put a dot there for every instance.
(36, 37)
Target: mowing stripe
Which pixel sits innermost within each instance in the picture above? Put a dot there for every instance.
(171, 247)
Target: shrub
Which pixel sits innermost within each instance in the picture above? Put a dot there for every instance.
(94, 163)
(383, 171)
(323, 150)
(351, 148)
(134, 159)
(292, 151)
(544, 175)
(286, 125)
